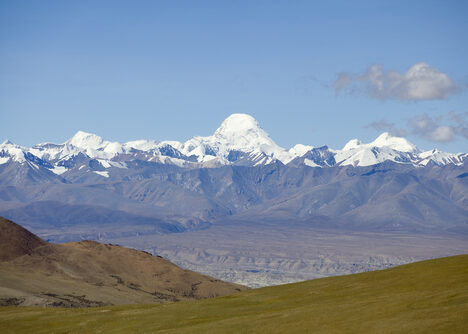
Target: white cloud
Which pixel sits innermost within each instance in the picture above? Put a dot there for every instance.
(432, 128)
(420, 82)
(443, 133)
(440, 129)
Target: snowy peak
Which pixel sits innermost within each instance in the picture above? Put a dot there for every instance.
(238, 124)
(9, 150)
(85, 140)
(395, 143)
(385, 140)
(299, 150)
(352, 144)
(92, 145)
(391, 148)
(242, 130)
(384, 148)
(239, 140)
(441, 158)
(6, 142)
(142, 144)
(239, 133)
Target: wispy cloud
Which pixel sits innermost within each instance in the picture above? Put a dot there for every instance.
(420, 82)
(441, 129)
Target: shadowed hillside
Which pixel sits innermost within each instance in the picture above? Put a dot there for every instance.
(87, 273)
(16, 241)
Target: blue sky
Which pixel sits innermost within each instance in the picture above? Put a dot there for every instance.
(174, 69)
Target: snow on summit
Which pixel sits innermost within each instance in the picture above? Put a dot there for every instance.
(384, 140)
(396, 143)
(391, 148)
(8, 151)
(384, 147)
(239, 140)
(94, 146)
(238, 132)
(242, 131)
(85, 140)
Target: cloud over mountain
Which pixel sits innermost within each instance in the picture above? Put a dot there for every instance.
(441, 129)
(419, 82)
(434, 130)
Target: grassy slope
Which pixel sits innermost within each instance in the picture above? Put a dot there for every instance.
(423, 297)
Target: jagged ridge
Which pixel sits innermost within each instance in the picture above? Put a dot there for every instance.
(238, 141)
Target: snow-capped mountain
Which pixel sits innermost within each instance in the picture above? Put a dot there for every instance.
(238, 141)
(91, 185)
(390, 148)
(10, 151)
(384, 148)
(239, 138)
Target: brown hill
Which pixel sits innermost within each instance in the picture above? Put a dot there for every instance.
(16, 241)
(88, 273)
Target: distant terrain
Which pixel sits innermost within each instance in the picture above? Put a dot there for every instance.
(423, 297)
(87, 273)
(271, 215)
(88, 187)
(267, 253)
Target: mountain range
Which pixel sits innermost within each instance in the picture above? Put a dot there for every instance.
(88, 187)
(239, 141)
(238, 207)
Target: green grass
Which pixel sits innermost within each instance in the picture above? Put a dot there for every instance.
(423, 297)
